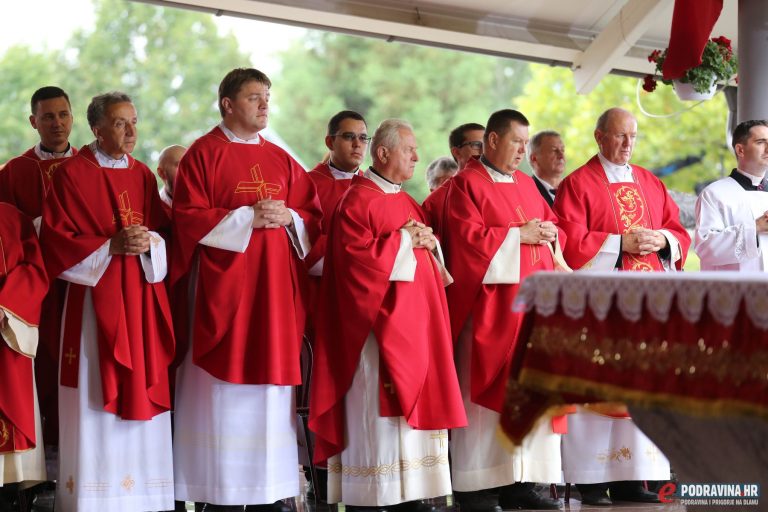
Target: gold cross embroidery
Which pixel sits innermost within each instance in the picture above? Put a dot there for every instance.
(70, 356)
(441, 436)
(128, 216)
(70, 485)
(128, 483)
(535, 256)
(262, 189)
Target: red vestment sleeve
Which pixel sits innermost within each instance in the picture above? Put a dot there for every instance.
(23, 284)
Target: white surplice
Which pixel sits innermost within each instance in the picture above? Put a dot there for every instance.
(105, 462)
(726, 234)
(386, 461)
(479, 460)
(235, 444)
(601, 448)
(29, 465)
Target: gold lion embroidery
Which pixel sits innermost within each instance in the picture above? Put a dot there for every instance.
(631, 208)
(261, 188)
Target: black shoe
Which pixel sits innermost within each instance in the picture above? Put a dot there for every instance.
(356, 508)
(518, 497)
(594, 494)
(278, 506)
(210, 507)
(476, 501)
(414, 506)
(632, 491)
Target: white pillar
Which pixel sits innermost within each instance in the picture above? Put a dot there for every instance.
(753, 49)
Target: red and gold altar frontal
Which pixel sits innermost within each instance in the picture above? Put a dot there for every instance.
(694, 342)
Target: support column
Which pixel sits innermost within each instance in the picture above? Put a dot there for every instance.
(752, 51)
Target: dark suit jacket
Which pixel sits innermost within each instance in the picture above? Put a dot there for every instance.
(543, 191)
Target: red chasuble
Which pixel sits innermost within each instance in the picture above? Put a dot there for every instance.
(23, 284)
(329, 191)
(409, 320)
(480, 212)
(433, 207)
(24, 182)
(87, 205)
(590, 208)
(249, 312)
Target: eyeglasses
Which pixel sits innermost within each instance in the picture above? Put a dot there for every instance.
(474, 144)
(349, 137)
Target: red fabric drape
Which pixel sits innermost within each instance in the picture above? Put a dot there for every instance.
(692, 24)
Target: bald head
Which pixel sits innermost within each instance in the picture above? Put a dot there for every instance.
(615, 134)
(168, 164)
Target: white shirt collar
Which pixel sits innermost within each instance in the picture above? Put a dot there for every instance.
(756, 180)
(614, 172)
(165, 197)
(105, 160)
(549, 188)
(386, 186)
(234, 138)
(50, 155)
(499, 177)
(339, 174)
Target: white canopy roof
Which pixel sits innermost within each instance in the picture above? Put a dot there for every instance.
(592, 37)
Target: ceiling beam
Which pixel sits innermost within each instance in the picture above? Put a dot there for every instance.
(612, 44)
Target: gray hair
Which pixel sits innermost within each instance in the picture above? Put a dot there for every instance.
(97, 109)
(440, 167)
(388, 134)
(537, 140)
(602, 121)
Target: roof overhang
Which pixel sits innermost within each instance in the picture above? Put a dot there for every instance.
(592, 37)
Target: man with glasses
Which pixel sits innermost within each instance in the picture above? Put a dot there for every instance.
(616, 216)
(347, 140)
(466, 142)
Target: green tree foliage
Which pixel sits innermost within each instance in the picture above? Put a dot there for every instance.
(170, 61)
(550, 102)
(434, 89)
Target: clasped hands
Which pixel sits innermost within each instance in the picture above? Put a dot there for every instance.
(131, 241)
(421, 235)
(537, 232)
(643, 241)
(271, 214)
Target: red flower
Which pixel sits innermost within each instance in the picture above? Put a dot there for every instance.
(649, 84)
(654, 56)
(722, 41)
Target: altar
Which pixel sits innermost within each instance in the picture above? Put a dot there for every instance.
(687, 352)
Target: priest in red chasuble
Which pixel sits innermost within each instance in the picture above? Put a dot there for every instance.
(617, 216)
(102, 233)
(384, 388)
(498, 231)
(24, 182)
(347, 140)
(23, 284)
(245, 215)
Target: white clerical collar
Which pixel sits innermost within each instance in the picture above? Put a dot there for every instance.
(165, 197)
(756, 180)
(616, 173)
(105, 160)
(499, 177)
(339, 174)
(43, 154)
(234, 138)
(387, 186)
